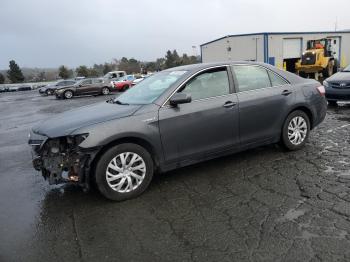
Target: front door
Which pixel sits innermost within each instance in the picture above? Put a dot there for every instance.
(208, 124)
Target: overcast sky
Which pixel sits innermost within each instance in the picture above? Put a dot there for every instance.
(49, 33)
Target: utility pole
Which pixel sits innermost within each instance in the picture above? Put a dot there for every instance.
(336, 24)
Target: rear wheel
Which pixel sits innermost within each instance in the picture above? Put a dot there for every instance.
(124, 171)
(126, 87)
(68, 94)
(295, 130)
(105, 91)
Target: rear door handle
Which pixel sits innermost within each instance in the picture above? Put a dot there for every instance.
(286, 92)
(229, 104)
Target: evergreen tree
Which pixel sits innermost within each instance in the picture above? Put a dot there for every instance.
(82, 71)
(15, 73)
(64, 72)
(2, 79)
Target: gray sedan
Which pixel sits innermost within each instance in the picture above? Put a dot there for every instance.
(175, 118)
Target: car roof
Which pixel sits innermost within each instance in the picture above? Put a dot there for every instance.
(292, 78)
(206, 65)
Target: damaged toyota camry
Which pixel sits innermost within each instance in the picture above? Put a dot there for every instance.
(175, 118)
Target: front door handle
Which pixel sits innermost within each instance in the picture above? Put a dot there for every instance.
(229, 104)
(286, 92)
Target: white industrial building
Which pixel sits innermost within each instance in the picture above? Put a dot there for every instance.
(281, 49)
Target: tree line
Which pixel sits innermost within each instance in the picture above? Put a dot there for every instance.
(130, 65)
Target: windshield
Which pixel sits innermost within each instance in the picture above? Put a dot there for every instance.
(347, 69)
(150, 89)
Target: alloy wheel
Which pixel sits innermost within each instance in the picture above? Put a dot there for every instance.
(125, 172)
(68, 94)
(297, 130)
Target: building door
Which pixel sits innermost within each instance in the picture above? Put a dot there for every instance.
(335, 48)
(291, 52)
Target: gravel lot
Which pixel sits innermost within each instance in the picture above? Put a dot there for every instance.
(259, 205)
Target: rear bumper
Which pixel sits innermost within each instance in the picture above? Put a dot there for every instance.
(319, 113)
(334, 94)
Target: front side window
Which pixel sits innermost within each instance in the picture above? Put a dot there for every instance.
(86, 82)
(208, 84)
(251, 77)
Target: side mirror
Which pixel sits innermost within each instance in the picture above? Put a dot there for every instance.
(180, 98)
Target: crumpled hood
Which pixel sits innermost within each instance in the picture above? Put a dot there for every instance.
(65, 123)
(340, 76)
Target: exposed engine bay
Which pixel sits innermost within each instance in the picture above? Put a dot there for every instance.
(61, 160)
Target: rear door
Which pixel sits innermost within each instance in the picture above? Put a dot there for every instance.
(97, 85)
(85, 87)
(264, 98)
(208, 124)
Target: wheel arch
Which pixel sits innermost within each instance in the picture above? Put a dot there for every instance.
(306, 110)
(130, 139)
(70, 89)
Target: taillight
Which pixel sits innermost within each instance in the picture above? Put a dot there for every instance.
(321, 90)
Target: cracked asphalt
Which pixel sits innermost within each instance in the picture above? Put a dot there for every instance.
(260, 205)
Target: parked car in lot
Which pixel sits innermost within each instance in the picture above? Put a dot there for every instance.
(175, 118)
(91, 86)
(124, 83)
(338, 86)
(50, 88)
(4, 89)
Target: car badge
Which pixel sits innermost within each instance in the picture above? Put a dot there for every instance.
(343, 85)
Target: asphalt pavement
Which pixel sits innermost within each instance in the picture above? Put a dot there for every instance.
(260, 205)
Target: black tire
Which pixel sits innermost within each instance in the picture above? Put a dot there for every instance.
(102, 165)
(105, 91)
(332, 103)
(126, 87)
(286, 142)
(48, 92)
(335, 69)
(328, 71)
(68, 94)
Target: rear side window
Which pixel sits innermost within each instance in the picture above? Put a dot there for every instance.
(86, 82)
(97, 81)
(276, 80)
(250, 77)
(208, 84)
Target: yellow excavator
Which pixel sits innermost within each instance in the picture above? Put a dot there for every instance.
(318, 58)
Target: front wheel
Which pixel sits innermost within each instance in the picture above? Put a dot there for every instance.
(295, 130)
(124, 171)
(68, 94)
